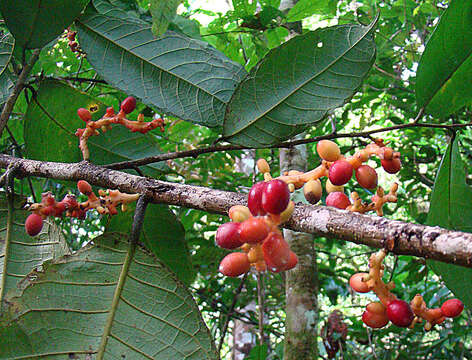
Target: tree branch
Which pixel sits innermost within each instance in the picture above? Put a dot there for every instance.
(20, 84)
(287, 144)
(448, 246)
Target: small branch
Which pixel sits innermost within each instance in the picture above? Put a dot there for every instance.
(399, 237)
(288, 144)
(69, 78)
(230, 312)
(260, 308)
(20, 84)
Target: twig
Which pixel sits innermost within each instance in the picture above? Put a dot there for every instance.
(20, 84)
(288, 144)
(260, 300)
(230, 312)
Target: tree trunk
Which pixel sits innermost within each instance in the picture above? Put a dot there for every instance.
(301, 284)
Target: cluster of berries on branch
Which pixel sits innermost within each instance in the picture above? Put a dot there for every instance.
(339, 169)
(73, 44)
(106, 203)
(105, 123)
(390, 308)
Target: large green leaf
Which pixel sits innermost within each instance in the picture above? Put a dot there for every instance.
(164, 235)
(51, 125)
(34, 23)
(111, 294)
(444, 77)
(129, 13)
(298, 83)
(181, 76)
(22, 253)
(451, 208)
(6, 51)
(163, 13)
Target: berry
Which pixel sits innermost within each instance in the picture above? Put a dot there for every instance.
(452, 308)
(366, 177)
(255, 254)
(253, 230)
(59, 209)
(84, 114)
(33, 224)
(399, 312)
(234, 264)
(275, 196)
(110, 112)
(239, 213)
(333, 188)
(375, 315)
(313, 191)
(128, 105)
(70, 201)
(328, 150)
(254, 199)
(227, 236)
(338, 200)
(357, 284)
(391, 166)
(276, 251)
(84, 187)
(292, 261)
(340, 172)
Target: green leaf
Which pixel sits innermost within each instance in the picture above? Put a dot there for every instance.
(51, 121)
(108, 293)
(444, 76)
(34, 23)
(106, 8)
(163, 13)
(183, 77)
(451, 208)
(164, 235)
(6, 87)
(23, 253)
(258, 352)
(6, 51)
(298, 83)
(305, 8)
(186, 26)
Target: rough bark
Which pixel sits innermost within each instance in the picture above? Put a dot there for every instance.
(301, 283)
(397, 236)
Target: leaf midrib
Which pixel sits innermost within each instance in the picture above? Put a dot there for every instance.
(368, 28)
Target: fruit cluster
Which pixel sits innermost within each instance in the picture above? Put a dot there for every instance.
(73, 45)
(127, 106)
(105, 204)
(254, 229)
(340, 169)
(390, 308)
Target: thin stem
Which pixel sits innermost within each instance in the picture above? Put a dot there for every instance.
(230, 312)
(20, 84)
(288, 144)
(260, 300)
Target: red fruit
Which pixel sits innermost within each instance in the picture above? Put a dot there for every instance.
(275, 197)
(366, 177)
(128, 105)
(399, 312)
(452, 308)
(47, 198)
(227, 236)
(276, 251)
(59, 209)
(375, 315)
(253, 230)
(84, 114)
(391, 166)
(357, 284)
(70, 201)
(33, 224)
(234, 264)
(338, 200)
(340, 172)
(84, 187)
(292, 261)
(254, 199)
(110, 112)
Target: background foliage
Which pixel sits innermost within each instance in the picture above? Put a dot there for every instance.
(423, 60)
